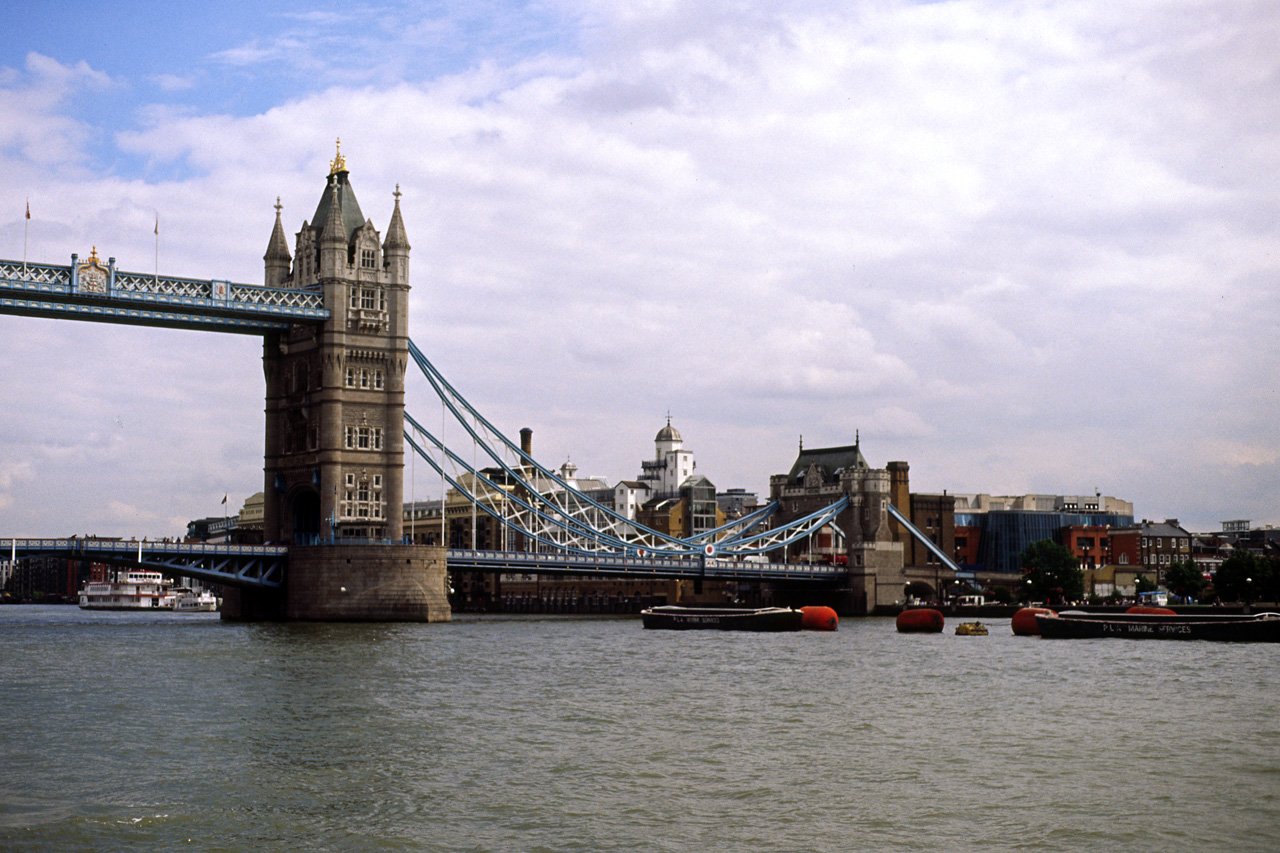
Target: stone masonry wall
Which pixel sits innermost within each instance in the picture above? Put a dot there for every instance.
(367, 583)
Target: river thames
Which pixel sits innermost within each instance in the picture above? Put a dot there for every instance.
(153, 732)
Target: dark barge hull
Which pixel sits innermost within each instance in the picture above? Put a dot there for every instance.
(1257, 628)
(722, 618)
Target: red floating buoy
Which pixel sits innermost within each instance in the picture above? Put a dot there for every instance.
(1024, 621)
(920, 620)
(818, 619)
(1151, 611)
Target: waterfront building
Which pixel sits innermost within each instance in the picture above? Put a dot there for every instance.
(735, 503)
(251, 517)
(1111, 579)
(1007, 524)
(822, 476)
(1089, 543)
(45, 578)
(421, 521)
(629, 496)
(1262, 541)
(214, 530)
(1209, 553)
(1153, 545)
(680, 502)
(968, 538)
(671, 465)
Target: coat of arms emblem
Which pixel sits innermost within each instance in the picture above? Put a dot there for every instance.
(92, 276)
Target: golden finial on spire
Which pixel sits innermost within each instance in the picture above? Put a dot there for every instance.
(339, 163)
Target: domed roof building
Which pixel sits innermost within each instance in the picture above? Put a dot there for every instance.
(671, 465)
(681, 502)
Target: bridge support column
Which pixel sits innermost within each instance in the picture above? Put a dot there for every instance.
(875, 577)
(353, 583)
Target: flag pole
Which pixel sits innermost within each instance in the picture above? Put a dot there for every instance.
(157, 249)
(26, 226)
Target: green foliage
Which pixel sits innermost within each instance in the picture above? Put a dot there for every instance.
(1001, 595)
(1240, 576)
(1184, 580)
(1052, 571)
(1144, 584)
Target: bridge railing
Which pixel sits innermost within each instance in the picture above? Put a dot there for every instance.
(55, 283)
(533, 562)
(78, 545)
(237, 565)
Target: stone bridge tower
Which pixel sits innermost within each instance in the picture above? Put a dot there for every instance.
(819, 478)
(334, 462)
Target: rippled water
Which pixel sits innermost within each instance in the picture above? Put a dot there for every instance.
(160, 732)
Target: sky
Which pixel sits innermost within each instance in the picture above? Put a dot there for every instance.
(1027, 247)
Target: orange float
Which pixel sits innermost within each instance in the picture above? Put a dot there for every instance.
(818, 619)
(1024, 621)
(1151, 611)
(920, 620)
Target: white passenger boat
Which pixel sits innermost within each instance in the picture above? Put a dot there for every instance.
(135, 589)
(187, 600)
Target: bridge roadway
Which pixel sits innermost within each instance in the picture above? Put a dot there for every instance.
(617, 565)
(265, 566)
(254, 566)
(87, 289)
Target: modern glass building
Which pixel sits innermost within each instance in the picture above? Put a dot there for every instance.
(1005, 533)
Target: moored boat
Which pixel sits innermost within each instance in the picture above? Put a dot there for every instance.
(1255, 628)
(971, 629)
(186, 600)
(673, 616)
(136, 589)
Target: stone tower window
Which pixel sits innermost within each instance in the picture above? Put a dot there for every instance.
(363, 497)
(367, 258)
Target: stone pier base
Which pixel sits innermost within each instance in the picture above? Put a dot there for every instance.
(352, 583)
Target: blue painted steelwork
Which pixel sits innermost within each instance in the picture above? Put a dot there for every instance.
(263, 566)
(597, 542)
(448, 394)
(253, 566)
(570, 525)
(928, 544)
(739, 527)
(576, 513)
(113, 296)
(616, 565)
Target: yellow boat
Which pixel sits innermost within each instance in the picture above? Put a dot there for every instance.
(971, 629)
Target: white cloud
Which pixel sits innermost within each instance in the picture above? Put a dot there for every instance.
(32, 122)
(173, 82)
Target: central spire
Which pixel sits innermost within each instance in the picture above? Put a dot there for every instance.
(339, 163)
(338, 192)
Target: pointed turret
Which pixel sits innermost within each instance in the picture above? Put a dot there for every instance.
(395, 249)
(396, 237)
(333, 236)
(277, 257)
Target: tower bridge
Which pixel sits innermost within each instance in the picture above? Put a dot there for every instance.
(333, 317)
